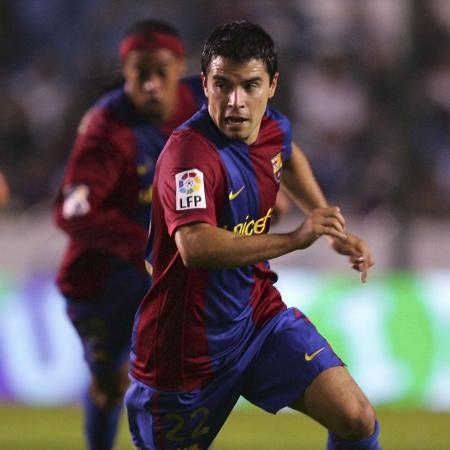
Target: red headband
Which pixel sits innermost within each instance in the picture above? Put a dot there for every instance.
(150, 41)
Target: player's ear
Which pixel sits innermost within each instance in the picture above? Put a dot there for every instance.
(125, 69)
(182, 67)
(204, 79)
(273, 85)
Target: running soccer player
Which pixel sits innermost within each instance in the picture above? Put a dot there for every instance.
(104, 207)
(212, 326)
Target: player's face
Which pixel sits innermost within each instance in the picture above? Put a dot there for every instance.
(151, 81)
(238, 95)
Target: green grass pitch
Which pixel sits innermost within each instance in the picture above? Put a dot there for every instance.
(23, 428)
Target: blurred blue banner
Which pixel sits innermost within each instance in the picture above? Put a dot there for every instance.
(393, 333)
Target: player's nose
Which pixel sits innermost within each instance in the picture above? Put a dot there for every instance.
(151, 84)
(236, 98)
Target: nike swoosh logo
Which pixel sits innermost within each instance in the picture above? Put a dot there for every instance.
(233, 195)
(313, 355)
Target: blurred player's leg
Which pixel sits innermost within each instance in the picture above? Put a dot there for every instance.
(100, 424)
(103, 406)
(336, 401)
(104, 325)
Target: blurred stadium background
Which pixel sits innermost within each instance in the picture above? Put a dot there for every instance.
(367, 84)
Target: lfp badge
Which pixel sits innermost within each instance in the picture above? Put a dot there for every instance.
(190, 192)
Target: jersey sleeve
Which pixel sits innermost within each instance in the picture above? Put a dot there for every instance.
(191, 181)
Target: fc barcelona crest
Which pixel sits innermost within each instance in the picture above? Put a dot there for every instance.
(277, 164)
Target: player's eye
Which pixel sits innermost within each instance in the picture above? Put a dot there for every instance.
(162, 72)
(221, 85)
(142, 73)
(252, 85)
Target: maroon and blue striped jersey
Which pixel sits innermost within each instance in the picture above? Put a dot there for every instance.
(104, 203)
(194, 322)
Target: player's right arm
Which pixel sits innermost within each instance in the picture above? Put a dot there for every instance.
(203, 245)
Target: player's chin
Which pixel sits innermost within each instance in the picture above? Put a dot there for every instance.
(235, 133)
(153, 109)
(156, 115)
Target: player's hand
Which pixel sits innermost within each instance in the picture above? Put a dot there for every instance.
(321, 222)
(358, 251)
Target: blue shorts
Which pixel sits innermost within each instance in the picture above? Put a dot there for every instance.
(105, 323)
(283, 359)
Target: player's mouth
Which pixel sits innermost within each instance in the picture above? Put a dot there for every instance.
(151, 100)
(153, 108)
(235, 120)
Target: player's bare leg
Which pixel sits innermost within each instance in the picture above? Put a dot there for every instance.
(334, 400)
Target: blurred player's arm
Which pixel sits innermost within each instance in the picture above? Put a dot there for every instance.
(92, 176)
(299, 181)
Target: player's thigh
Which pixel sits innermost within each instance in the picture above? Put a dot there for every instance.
(189, 420)
(104, 346)
(336, 401)
(104, 326)
(291, 357)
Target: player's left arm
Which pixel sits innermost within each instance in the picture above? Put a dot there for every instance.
(358, 252)
(301, 184)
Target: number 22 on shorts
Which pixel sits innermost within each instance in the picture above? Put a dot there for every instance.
(177, 433)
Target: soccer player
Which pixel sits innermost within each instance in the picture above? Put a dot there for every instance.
(104, 207)
(212, 326)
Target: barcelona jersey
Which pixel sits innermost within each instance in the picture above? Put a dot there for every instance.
(194, 322)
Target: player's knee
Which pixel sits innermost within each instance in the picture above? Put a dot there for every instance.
(358, 422)
(108, 392)
(117, 394)
(106, 398)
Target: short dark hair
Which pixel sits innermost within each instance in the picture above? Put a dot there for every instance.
(151, 26)
(240, 41)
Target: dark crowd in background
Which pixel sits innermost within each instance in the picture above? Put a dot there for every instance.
(366, 83)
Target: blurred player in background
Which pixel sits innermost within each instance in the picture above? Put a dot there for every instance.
(104, 207)
(4, 190)
(212, 326)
